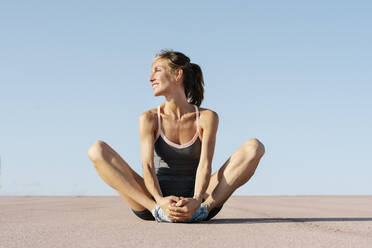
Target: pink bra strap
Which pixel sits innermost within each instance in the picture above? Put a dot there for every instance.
(197, 118)
(159, 124)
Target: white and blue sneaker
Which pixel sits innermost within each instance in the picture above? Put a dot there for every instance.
(200, 214)
(159, 215)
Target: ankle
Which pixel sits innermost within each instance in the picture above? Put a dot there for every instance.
(210, 204)
(152, 206)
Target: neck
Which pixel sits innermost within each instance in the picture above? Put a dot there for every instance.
(177, 107)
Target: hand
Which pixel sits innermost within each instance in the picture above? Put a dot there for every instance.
(165, 202)
(183, 209)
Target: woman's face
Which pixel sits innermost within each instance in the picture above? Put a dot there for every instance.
(161, 78)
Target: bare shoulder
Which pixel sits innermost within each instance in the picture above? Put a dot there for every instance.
(148, 120)
(208, 117)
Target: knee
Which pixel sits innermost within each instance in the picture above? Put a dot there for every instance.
(96, 151)
(254, 147)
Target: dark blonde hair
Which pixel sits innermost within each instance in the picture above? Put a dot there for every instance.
(193, 81)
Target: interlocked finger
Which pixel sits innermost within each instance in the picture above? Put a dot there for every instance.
(179, 209)
(176, 214)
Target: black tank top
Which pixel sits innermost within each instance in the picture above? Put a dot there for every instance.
(175, 164)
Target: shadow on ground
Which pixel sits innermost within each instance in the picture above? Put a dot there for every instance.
(277, 220)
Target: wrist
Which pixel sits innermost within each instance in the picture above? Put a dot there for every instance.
(158, 198)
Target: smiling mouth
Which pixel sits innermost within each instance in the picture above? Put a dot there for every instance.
(154, 85)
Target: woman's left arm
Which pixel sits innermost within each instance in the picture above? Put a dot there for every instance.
(209, 124)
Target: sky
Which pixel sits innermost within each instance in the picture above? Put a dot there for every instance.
(296, 75)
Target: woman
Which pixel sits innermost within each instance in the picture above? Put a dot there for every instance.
(177, 142)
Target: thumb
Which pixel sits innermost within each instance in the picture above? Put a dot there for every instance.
(174, 198)
(180, 202)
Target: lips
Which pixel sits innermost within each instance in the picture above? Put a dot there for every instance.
(154, 85)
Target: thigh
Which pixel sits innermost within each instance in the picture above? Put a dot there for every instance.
(237, 158)
(119, 163)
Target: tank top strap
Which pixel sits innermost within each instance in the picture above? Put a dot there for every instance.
(197, 118)
(159, 123)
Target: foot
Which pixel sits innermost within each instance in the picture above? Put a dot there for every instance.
(159, 215)
(209, 205)
(200, 214)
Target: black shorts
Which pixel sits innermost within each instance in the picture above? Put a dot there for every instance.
(147, 215)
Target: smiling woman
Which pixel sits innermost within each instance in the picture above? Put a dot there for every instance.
(177, 145)
(168, 64)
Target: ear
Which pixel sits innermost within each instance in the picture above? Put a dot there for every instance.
(179, 74)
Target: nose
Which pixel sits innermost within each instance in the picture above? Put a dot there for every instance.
(151, 77)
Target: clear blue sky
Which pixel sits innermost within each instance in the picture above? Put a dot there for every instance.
(297, 76)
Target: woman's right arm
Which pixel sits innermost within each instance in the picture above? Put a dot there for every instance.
(147, 126)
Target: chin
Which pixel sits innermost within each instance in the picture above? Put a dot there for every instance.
(157, 93)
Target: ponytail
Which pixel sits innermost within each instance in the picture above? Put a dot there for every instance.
(194, 85)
